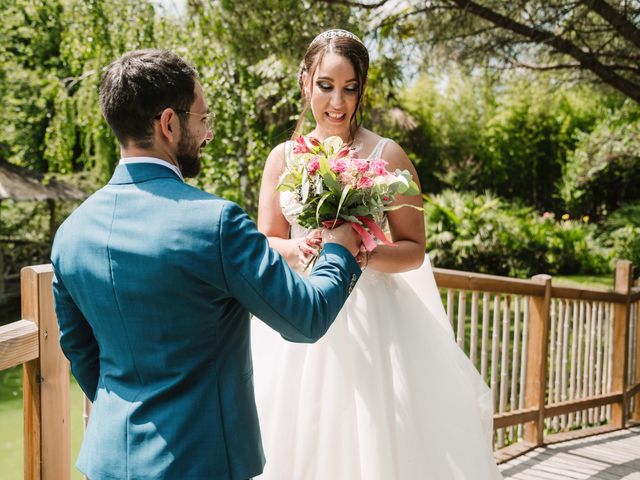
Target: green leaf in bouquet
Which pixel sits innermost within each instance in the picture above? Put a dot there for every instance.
(405, 184)
(285, 187)
(344, 195)
(322, 200)
(360, 211)
(351, 218)
(325, 168)
(391, 208)
(331, 182)
(413, 189)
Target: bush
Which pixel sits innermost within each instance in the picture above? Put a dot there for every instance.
(484, 233)
(621, 232)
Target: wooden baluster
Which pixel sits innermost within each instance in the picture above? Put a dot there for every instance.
(504, 362)
(495, 346)
(484, 356)
(524, 360)
(574, 361)
(450, 306)
(598, 381)
(473, 353)
(462, 318)
(515, 361)
(552, 356)
(608, 385)
(579, 360)
(635, 412)
(565, 360)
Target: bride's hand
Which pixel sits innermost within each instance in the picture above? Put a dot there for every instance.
(309, 246)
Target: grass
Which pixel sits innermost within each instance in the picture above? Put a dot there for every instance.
(586, 281)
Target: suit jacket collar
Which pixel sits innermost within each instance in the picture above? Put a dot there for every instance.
(141, 172)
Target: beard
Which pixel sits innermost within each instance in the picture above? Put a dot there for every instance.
(188, 155)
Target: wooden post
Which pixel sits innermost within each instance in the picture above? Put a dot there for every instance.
(536, 374)
(47, 450)
(620, 360)
(2, 285)
(635, 413)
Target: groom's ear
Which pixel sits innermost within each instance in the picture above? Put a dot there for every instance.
(169, 125)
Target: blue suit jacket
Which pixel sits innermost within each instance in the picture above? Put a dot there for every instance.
(154, 282)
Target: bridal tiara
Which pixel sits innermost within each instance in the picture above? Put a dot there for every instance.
(337, 33)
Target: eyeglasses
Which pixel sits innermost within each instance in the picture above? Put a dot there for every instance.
(210, 117)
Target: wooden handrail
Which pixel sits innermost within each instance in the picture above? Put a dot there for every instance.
(486, 283)
(18, 343)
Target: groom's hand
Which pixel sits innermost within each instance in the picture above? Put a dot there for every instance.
(345, 236)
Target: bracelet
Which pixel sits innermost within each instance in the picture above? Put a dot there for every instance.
(366, 260)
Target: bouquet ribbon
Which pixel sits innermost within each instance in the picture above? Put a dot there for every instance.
(367, 236)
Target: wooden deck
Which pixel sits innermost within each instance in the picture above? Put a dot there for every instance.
(609, 456)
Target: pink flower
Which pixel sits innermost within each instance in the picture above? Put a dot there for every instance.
(347, 179)
(345, 151)
(378, 166)
(305, 144)
(364, 182)
(339, 165)
(314, 165)
(361, 165)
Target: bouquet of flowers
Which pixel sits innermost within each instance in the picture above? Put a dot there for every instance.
(331, 185)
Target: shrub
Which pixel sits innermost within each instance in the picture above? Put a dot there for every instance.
(484, 233)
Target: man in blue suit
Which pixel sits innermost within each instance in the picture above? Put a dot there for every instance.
(154, 282)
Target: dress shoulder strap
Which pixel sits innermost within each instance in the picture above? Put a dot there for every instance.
(377, 150)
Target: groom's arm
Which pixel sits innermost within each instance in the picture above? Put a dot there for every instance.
(76, 339)
(300, 309)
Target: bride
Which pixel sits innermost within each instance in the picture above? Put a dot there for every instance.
(386, 394)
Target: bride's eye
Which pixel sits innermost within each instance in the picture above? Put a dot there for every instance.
(324, 86)
(352, 88)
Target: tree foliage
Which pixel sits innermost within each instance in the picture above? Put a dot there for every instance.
(590, 36)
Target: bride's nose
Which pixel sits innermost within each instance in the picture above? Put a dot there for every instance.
(337, 99)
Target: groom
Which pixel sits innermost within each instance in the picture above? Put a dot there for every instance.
(154, 282)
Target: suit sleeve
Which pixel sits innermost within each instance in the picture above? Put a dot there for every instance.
(76, 339)
(300, 309)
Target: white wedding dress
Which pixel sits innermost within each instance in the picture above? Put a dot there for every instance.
(386, 394)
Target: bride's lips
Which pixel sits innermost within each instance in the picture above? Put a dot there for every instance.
(335, 117)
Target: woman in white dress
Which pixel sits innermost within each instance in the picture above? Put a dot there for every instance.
(386, 394)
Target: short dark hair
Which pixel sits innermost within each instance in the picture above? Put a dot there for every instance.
(138, 86)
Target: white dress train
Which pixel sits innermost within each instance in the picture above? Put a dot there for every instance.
(386, 394)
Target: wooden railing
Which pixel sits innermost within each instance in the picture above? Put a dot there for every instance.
(558, 359)
(561, 361)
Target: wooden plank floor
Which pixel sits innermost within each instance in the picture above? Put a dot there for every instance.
(610, 456)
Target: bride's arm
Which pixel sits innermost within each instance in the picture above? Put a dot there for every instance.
(271, 221)
(405, 224)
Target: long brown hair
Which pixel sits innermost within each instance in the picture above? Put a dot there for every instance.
(350, 47)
